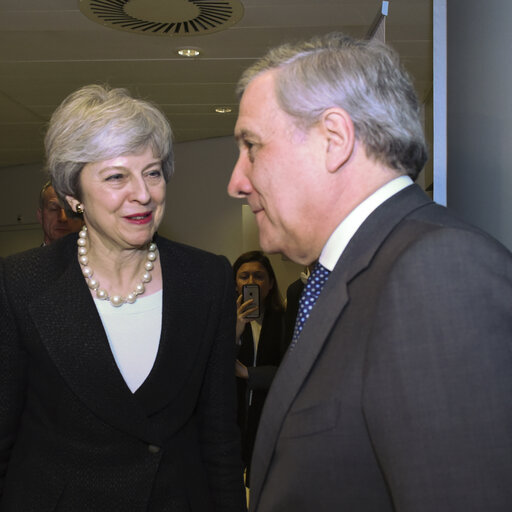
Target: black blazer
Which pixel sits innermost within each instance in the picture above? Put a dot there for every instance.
(261, 374)
(397, 396)
(72, 435)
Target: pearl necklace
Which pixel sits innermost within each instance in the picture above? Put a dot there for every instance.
(116, 299)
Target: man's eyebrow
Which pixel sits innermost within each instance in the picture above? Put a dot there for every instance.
(243, 134)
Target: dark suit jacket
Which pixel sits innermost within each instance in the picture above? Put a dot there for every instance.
(270, 353)
(72, 435)
(398, 393)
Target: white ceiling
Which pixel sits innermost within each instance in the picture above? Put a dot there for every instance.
(48, 48)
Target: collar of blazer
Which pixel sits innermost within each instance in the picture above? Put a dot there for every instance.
(72, 332)
(298, 362)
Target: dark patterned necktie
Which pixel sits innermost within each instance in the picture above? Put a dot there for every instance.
(308, 298)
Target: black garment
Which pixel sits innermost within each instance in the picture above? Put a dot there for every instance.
(397, 396)
(270, 352)
(72, 435)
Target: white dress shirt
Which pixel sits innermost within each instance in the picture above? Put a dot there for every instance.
(348, 227)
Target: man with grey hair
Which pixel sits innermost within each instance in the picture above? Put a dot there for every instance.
(396, 392)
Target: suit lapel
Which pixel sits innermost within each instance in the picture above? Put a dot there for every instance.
(185, 309)
(71, 330)
(334, 298)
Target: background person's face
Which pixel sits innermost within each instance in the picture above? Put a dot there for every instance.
(53, 218)
(253, 272)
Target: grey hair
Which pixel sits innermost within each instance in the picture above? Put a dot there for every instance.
(98, 123)
(364, 78)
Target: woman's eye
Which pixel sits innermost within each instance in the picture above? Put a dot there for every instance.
(114, 177)
(155, 173)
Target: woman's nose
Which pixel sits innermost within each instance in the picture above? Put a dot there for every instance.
(140, 191)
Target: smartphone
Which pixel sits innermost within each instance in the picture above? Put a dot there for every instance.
(252, 291)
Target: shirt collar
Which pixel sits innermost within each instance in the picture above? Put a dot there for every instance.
(342, 235)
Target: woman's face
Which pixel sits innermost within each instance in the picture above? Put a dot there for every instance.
(254, 272)
(123, 199)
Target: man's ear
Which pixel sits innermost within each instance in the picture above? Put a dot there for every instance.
(72, 201)
(39, 214)
(339, 130)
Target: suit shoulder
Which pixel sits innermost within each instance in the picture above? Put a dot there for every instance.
(40, 264)
(435, 223)
(444, 250)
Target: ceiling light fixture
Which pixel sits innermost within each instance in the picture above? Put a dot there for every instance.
(188, 52)
(180, 18)
(223, 110)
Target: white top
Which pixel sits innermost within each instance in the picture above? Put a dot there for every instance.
(133, 332)
(342, 235)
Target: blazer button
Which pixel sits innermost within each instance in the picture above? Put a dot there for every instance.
(152, 448)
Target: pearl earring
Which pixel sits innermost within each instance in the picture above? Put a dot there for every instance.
(79, 208)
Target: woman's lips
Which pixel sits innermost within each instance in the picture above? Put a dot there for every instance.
(140, 218)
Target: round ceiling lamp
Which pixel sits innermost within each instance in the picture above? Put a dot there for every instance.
(164, 17)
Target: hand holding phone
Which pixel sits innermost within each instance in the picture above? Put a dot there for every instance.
(252, 291)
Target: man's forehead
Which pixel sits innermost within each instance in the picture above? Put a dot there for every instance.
(50, 197)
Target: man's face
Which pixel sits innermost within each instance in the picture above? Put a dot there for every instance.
(53, 219)
(279, 173)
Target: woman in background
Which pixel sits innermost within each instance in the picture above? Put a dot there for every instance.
(261, 344)
(116, 345)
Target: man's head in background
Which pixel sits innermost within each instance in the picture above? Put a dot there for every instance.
(52, 217)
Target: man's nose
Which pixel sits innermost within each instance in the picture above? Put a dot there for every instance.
(62, 215)
(239, 185)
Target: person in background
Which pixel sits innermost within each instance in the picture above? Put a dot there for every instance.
(260, 341)
(116, 345)
(396, 392)
(53, 218)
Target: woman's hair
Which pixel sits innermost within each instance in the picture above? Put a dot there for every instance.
(364, 78)
(274, 300)
(98, 123)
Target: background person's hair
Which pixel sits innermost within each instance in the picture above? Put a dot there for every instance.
(98, 123)
(364, 78)
(274, 300)
(44, 188)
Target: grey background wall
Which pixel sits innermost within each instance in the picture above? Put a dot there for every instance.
(479, 114)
